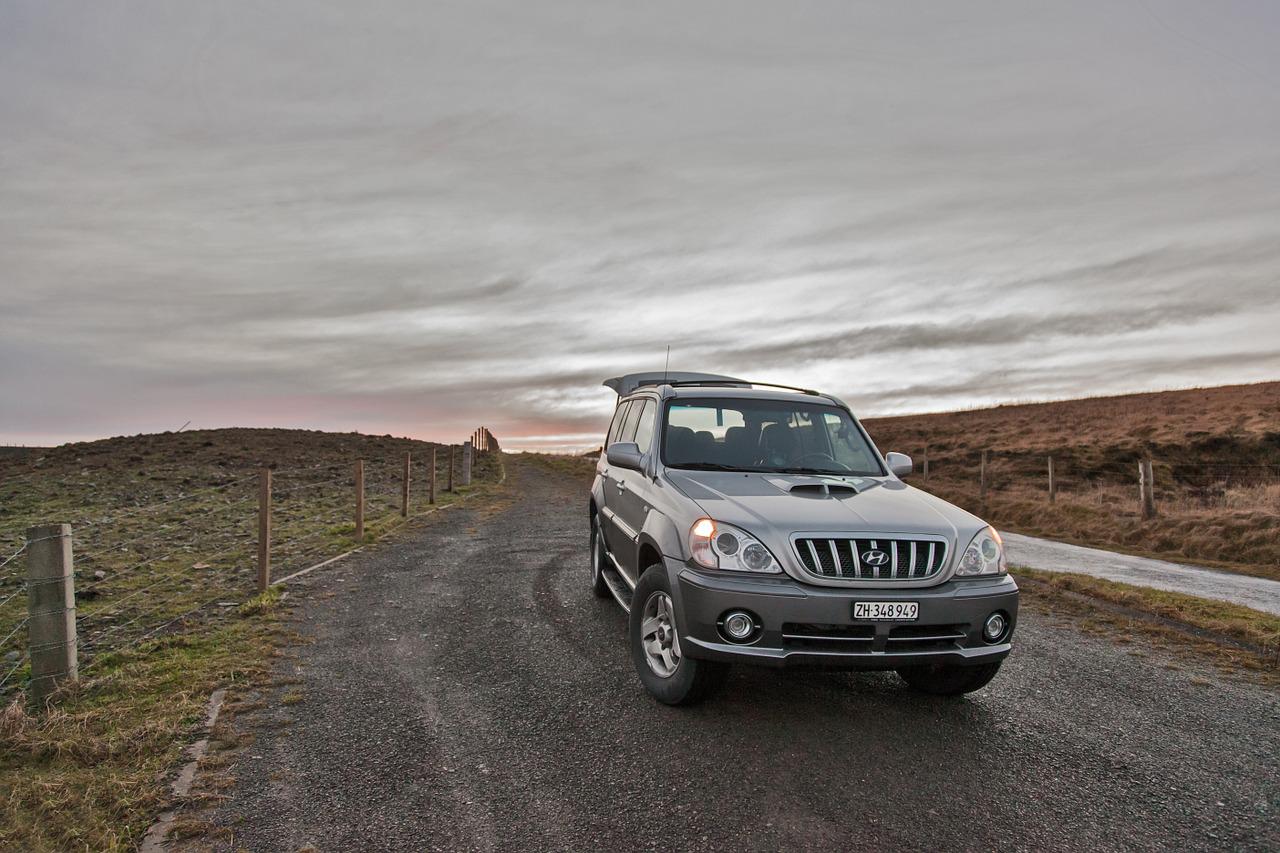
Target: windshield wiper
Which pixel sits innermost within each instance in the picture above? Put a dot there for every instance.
(826, 471)
(712, 466)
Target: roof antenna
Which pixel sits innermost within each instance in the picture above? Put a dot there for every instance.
(666, 365)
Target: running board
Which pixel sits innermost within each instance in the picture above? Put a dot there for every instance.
(618, 567)
(616, 586)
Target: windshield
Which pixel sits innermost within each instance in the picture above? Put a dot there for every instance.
(765, 435)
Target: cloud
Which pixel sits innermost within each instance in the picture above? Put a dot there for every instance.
(418, 219)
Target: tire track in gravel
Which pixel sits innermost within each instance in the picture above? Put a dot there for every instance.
(505, 714)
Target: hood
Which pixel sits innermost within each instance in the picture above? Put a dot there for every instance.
(774, 506)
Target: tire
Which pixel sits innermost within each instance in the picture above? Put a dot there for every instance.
(599, 587)
(949, 679)
(685, 681)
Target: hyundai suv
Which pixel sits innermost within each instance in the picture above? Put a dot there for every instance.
(740, 522)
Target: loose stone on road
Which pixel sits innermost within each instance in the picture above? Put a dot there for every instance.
(463, 690)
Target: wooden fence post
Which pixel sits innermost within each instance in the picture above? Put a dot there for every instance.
(1053, 486)
(264, 530)
(467, 451)
(431, 479)
(449, 488)
(404, 487)
(51, 610)
(982, 479)
(1146, 488)
(925, 467)
(360, 499)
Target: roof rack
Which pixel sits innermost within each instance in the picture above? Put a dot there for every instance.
(740, 383)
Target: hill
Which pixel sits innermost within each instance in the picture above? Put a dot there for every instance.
(1215, 453)
(167, 608)
(166, 523)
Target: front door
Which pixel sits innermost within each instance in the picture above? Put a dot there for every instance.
(631, 494)
(617, 534)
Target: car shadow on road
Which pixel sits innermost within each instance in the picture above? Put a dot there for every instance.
(825, 699)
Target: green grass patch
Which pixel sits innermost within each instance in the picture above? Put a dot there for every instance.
(1231, 620)
(87, 775)
(579, 467)
(1254, 635)
(164, 538)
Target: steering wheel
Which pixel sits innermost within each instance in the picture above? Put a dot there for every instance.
(822, 457)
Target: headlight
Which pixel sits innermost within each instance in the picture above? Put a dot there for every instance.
(722, 546)
(984, 556)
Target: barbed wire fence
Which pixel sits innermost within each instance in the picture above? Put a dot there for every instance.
(82, 592)
(1150, 480)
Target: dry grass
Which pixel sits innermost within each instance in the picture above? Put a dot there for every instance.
(1179, 419)
(1252, 628)
(165, 527)
(86, 775)
(169, 521)
(1235, 638)
(1216, 454)
(580, 467)
(1245, 541)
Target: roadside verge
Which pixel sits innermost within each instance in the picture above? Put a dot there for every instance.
(1238, 640)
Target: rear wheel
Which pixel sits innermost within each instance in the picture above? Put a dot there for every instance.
(598, 557)
(949, 679)
(668, 675)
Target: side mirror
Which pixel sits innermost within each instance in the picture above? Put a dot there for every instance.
(900, 464)
(625, 454)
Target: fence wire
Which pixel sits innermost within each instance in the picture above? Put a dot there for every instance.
(156, 567)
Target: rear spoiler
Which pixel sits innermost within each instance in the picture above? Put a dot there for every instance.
(624, 385)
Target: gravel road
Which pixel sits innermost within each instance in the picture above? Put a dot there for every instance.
(463, 690)
(1258, 593)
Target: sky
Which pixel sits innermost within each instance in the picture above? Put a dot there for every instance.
(416, 218)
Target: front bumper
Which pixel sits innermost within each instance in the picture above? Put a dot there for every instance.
(802, 624)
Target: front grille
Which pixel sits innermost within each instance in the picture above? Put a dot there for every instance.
(844, 557)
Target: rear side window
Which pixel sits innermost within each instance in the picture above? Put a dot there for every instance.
(616, 426)
(644, 427)
(629, 425)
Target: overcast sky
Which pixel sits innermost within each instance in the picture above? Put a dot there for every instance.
(417, 217)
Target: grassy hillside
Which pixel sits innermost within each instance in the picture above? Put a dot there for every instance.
(165, 538)
(1215, 451)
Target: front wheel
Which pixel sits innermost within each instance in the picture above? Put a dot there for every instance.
(668, 675)
(949, 679)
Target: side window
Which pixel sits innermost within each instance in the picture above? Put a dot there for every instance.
(616, 426)
(644, 427)
(629, 425)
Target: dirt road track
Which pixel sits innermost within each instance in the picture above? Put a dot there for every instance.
(463, 690)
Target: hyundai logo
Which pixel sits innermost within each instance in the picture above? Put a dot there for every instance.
(875, 558)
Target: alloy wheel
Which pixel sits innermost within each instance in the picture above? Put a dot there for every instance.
(658, 635)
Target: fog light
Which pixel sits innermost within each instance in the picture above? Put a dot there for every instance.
(994, 628)
(738, 625)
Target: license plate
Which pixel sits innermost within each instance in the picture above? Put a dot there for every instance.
(886, 611)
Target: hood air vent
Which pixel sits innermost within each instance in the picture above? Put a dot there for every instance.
(838, 490)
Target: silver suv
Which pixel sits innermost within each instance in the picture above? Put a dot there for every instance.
(752, 523)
